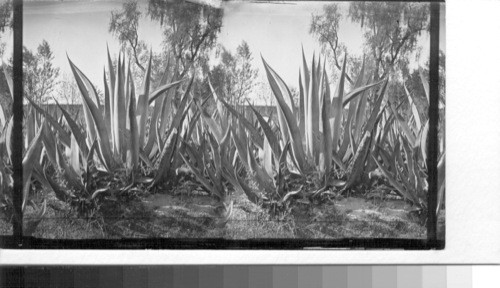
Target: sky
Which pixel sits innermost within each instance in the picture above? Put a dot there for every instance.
(277, 32)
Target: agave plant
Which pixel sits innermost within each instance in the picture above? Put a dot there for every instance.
(329, 138)
(33, 129)
(403, 153)
(287, 158)
(119, 126)
(209, 155)
(117, 139)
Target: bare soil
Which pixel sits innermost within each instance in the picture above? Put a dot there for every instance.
(190, 213)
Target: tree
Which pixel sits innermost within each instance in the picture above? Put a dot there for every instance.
(234, 77)
(390, 31)
(325, 27)
(124, 26)
(190, 30)
(39, 74)
(5, 21)
(68, 91)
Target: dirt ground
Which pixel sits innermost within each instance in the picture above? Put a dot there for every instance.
(190, 213)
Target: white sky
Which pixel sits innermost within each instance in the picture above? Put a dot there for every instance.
(278, 32)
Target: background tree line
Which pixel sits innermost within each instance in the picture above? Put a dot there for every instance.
(190, 32)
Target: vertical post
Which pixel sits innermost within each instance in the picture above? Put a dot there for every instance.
(432, 145)
(17, 111)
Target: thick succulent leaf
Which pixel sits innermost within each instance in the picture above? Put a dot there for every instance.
(163, 89)
(240, 185)
(50, 146)
(313, 115)
(357, 165)
(220, 109)
(181, 111)
(263, 179)
(111, 70)
(425, 83)
(31, 156)
(441, 180)
(282, 170)
(291, 122)
(61, 193)
(150, 147)
(370, 124)
(166, 104)
(291, 194)
(354, 145)
(349, 123)
(5, 139)
(74, 159)
(404, 126)
(142, 102)
(216, 156)
(358, 92)
(200, 178)
(3, 120)
(337, 113)
(267, 159)
(75, 131)
(302, 115)
(8, 77)
(119, 109)
(97, 117)
(63, 134)
(166, 157)
(402, 172)
(327, 136)
(306, 71)
(134, 133)
(423, 142)
(256, 136)
(268, 132)
(360, 116)
(107, 104)
(414, 110)
(56, 158)
(30, 129)
(214, 127)
(394, 183)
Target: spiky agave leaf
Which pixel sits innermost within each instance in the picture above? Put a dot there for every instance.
(268, 133)
(404, 126)
(327, 137)
(256, 136)
(75, 130)
(63, 134)
(119, 108)
(441, 180)
(394, 183)
(338, 106)
(200, 178)
(31, 156)
(56, 158)
(162, 89)
(288, 122)
(313, 116)
(134, 130)
(348, 124)
(425, 83)
(93, 116)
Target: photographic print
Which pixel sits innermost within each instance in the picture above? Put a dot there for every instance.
(235, 124)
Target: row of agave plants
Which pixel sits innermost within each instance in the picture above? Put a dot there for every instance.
(327, 143)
